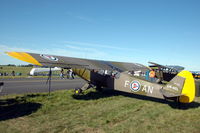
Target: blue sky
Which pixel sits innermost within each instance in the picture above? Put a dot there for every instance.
(162, 31)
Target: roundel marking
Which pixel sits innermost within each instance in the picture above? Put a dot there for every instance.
(49, 57)
(135, 86)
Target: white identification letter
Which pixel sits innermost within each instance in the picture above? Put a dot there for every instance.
(127, 83)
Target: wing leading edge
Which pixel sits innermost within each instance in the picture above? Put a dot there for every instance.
(70, 62)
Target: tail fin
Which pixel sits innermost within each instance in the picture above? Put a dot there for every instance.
(181, 86)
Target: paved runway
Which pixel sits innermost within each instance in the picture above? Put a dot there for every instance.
(34, 85)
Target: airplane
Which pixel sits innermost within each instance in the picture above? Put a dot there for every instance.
(118, 76)
(196, 74)
(166, 73)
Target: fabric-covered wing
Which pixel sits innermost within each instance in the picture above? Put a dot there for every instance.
(69, 62)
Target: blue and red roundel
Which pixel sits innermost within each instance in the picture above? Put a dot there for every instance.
(49, 57)
(135, 86)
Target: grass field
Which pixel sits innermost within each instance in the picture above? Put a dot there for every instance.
(95, 112)
(9, 69)
(24, 71)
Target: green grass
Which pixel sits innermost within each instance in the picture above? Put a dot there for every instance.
(25, 72)
(9, 69)
(94, 112)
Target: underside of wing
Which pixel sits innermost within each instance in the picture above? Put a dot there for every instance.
(70, 62)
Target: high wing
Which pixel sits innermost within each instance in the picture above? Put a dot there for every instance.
(181, 87)
(69, 62)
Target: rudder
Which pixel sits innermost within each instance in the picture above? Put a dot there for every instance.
(181, 88)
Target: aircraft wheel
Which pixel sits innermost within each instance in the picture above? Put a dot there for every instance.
(99, 88)
(77, 91)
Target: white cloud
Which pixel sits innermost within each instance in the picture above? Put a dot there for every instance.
(85, 49)
(71, 51)
(6, 48)
(100, 46)
(84, 18)
(87, 52)
(92, 51)
(79, 17)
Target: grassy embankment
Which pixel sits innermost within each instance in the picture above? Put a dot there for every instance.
(23, 70)
(95, 112)
(9, 69)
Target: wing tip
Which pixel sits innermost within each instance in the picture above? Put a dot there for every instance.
(24, 56)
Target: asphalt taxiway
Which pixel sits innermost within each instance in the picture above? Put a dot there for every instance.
(36, 85)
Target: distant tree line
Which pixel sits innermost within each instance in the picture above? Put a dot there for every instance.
(29, 65)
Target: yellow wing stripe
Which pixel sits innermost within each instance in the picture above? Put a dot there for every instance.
(188, 91)
(24, 57)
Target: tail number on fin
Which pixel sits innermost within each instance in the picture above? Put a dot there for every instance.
(172, 87)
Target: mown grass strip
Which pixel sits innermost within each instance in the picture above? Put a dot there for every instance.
(108, 112)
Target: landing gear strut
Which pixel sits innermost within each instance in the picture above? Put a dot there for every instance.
(78, 91)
